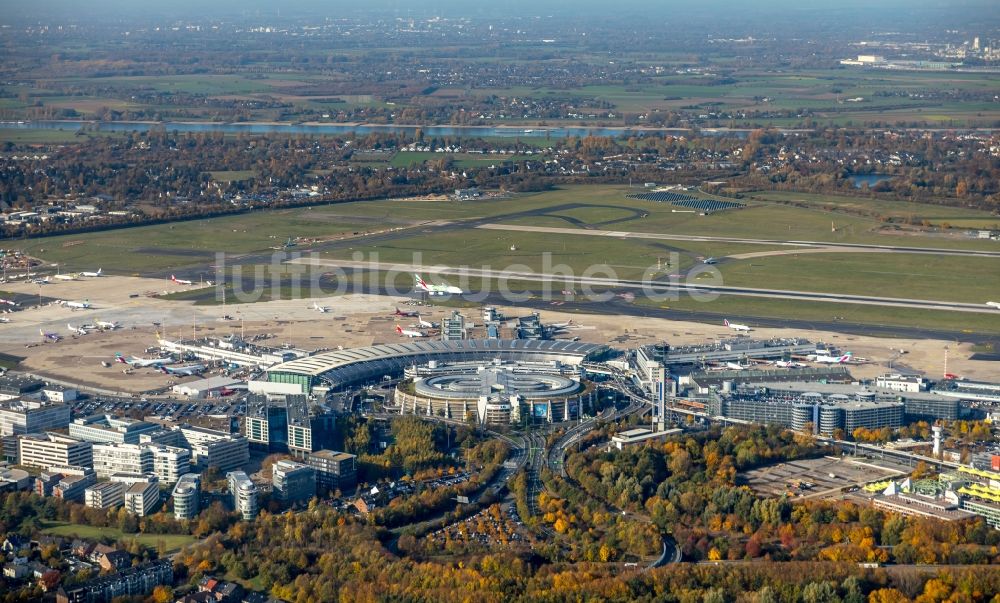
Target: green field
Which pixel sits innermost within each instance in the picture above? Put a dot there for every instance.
(903, 211)
(25, 136)
(172, 542)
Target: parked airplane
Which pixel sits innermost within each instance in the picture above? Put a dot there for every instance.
(92, 274)
(559, 326)
(41, 281)
(788, 364)
(425, 324)
(736, 366)
(825, 359)
(76, 305)
(993, 305)
(710, 261)
(435, 289)
(82, 329)
(735, 326)
(9, 302)
(66, 277)
(184, 371)
(4, 319)
(319, 308)
(179, 281)
(106, 325)
(400, 330)
(406, 313)
(142, 362)
(50, 336)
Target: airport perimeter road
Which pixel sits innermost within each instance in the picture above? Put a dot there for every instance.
(655, 287)
(805, 245)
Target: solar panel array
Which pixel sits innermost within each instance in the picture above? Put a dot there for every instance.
(687, 201)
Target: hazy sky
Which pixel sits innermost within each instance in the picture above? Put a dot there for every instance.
(877, 13)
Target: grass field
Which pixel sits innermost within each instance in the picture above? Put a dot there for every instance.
(172, 542)
(913, 213)
(25, 136)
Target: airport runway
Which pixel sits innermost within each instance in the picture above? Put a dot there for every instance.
(651, 287)
(833, 247)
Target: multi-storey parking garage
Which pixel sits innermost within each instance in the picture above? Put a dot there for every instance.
(343, 368)
(496, 394)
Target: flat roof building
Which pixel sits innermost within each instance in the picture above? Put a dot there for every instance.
(142, 498)
(187, 496)
(32, 416)
(293, 482)
(110, 429)
(243, 493)
(167, 463)
(49, 449)
(334, 470)
(105, 495)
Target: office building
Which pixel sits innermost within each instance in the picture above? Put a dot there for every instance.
(211, 448)
(306, 431)
(142, 498)
(334, 470)
(15, 386)
(73, 484)
(107, 429)
(105, 495)
(243, 493)
(168, 463)
(267, 423)
(32, 416)
(52, 449)
(293, 482)
(187, 496)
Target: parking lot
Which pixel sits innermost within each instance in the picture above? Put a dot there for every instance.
(823, 477)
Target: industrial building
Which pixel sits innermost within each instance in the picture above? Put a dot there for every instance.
(334, 470)
(107, 429)
(293, 482)
(496, 393)
(243, 493)
(204, 388)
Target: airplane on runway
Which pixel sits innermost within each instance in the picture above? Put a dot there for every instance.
(411, 334)
(4, 319)
(142, 362)
(710, 261)
(993, 305)
(735, 326)
(92, 274)
(9, 302)
(184, 371)
(425, 324)
(435, 289)
(76, 305)
(82, 329)
(50, 336)
(179, 281)
(407, 314)
(319, 308)
(826, 359)
(105, 325)
(41, 281)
